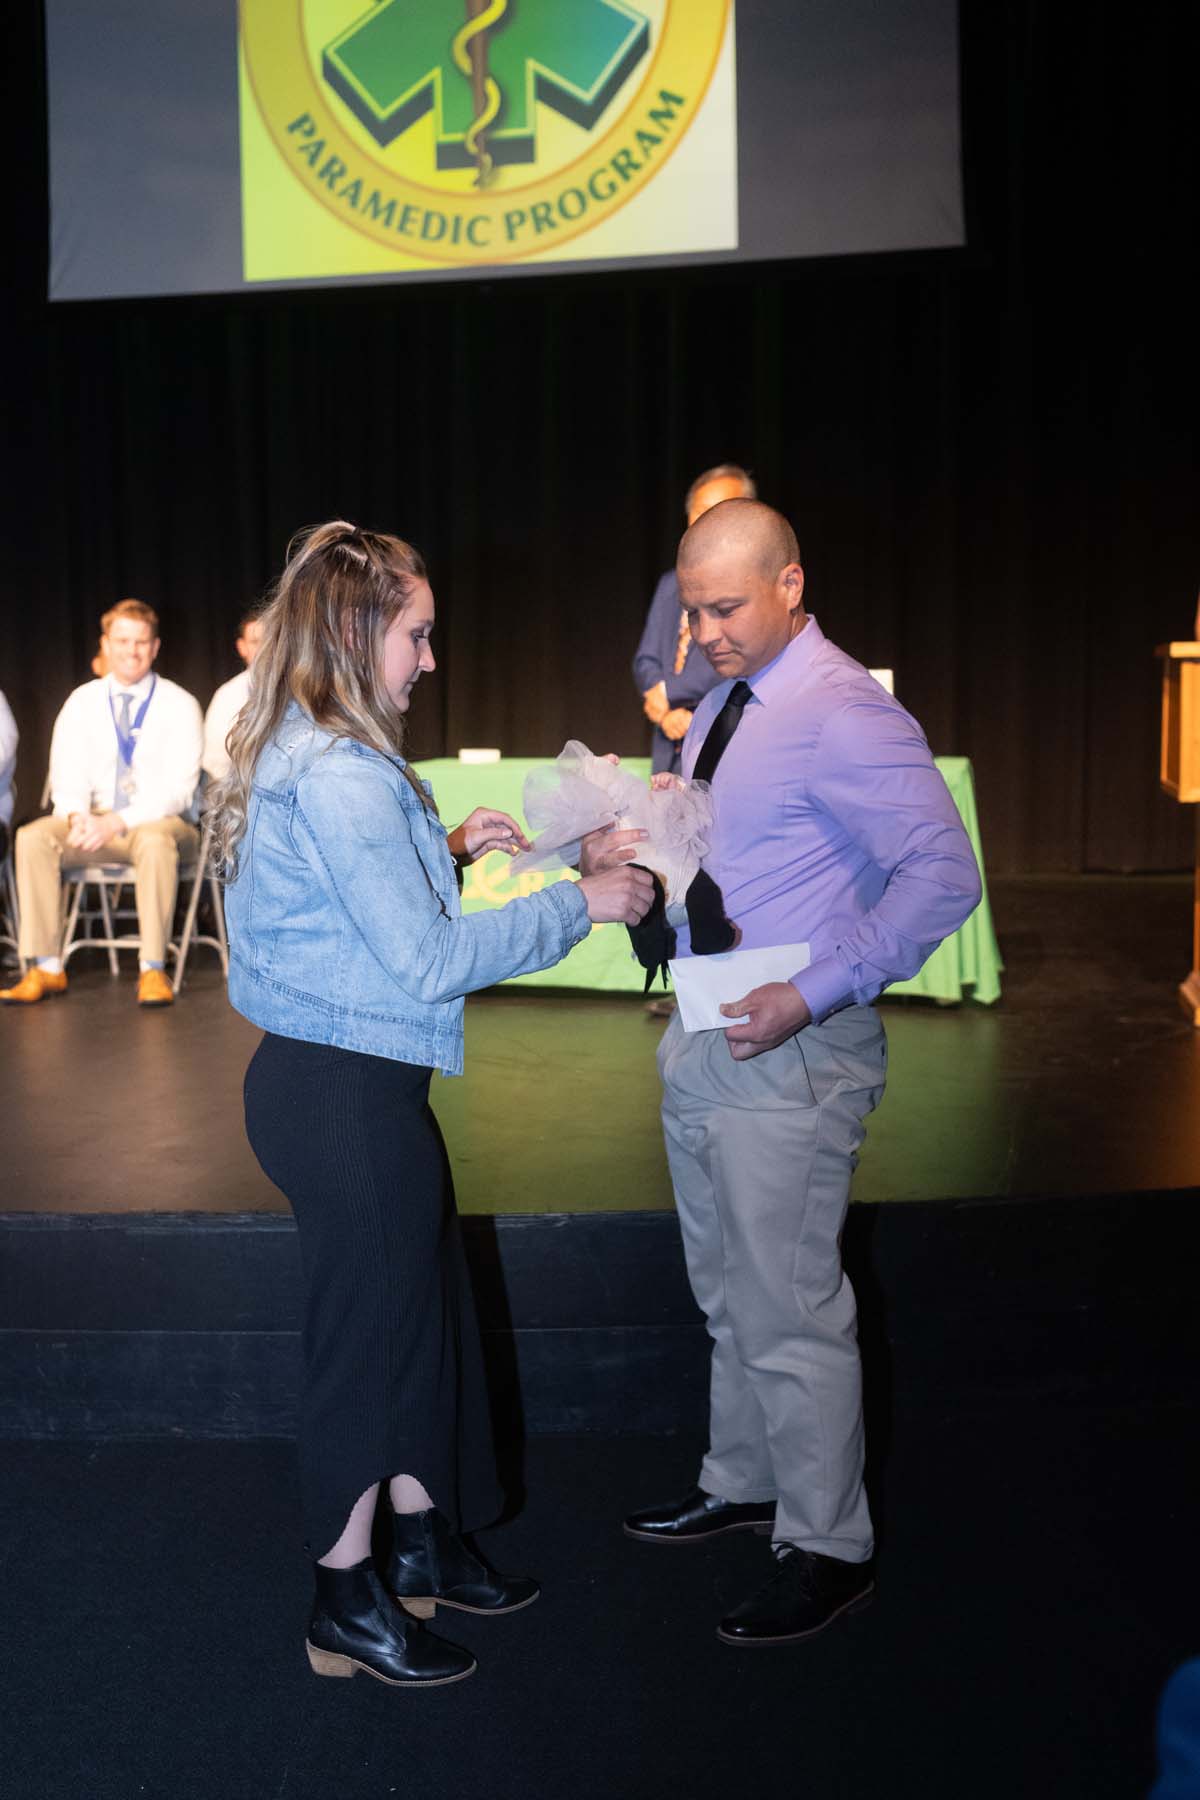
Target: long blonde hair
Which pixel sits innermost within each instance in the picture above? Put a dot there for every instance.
(322, 645)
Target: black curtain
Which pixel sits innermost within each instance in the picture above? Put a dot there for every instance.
(990, 457)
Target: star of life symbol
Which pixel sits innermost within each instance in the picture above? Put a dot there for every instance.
(483, 78)
(464, 133)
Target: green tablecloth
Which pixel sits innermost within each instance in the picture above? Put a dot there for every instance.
(604, 962)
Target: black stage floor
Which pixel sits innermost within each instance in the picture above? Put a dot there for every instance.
(1036, 1588)
(1084, 1079)
(1030, 1357)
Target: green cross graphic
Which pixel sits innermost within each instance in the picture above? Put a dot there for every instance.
(394, 64)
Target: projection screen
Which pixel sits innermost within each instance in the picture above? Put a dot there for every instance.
(200, 147)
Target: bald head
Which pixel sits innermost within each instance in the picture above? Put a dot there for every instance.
(742, 586)
(728, 481)
(744, 530)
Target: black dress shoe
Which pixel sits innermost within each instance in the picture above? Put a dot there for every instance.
(696, 1517)
(431, 1567)
(355, 1626)
(805, 1593)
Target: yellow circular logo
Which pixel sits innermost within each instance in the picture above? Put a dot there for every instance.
(467, 132)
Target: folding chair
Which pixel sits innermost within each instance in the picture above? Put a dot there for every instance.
(109, 879)
(198, 873)
(10, 912)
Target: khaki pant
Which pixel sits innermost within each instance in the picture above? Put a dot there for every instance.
(761, 1156)
(153, 852)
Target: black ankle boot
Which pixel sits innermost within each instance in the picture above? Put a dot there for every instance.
(355, 1625)
(429, 1564)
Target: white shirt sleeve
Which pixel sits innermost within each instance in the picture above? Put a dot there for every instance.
(8, 759)
(223, 709)
(71, 774)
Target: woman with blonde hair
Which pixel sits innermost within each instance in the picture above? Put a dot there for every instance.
(349, 948)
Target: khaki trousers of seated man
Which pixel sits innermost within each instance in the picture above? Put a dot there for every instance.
(153, 852)
(761, 1155)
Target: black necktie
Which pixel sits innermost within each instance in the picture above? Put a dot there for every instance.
(720, 731)
(654, 940)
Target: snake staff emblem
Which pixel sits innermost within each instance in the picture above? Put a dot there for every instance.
(470, 58)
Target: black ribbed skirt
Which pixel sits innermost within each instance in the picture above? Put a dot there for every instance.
(393, 1371)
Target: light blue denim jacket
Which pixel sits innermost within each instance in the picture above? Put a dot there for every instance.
(344, 919)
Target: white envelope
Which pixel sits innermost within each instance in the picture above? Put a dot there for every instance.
(704, 983)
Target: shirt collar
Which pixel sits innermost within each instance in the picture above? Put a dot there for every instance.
(138, 691)
(786, 668)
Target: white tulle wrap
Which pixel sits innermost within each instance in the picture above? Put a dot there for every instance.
(580, 792)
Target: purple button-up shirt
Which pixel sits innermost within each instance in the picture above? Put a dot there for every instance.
(832, 826)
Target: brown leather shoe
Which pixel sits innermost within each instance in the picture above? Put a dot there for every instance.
(35, 984)
(154, 989)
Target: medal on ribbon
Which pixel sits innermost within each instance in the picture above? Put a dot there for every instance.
(126, 784)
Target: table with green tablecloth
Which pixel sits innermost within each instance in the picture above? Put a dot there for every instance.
(969, 959)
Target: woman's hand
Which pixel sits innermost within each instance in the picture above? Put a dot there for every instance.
(664, 779)
(486, 830)
(623, 896)
(608, 848)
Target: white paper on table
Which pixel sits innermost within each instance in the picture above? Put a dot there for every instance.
(704, 983)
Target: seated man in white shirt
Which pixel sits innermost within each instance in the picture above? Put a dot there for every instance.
(124, 767)
(229, 700)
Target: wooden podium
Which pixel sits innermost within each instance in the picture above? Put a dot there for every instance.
(1179, 773)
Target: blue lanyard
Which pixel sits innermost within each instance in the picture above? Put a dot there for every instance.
(127, 742)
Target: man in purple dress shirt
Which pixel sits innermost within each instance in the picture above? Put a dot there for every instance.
(832, 830)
